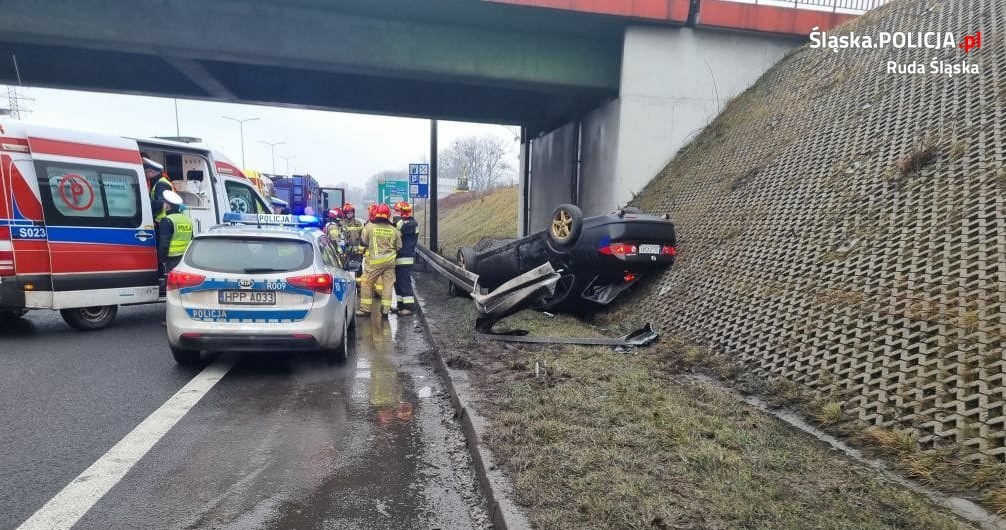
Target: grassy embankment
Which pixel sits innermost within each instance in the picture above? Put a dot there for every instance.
(598, 439)
(467, 217)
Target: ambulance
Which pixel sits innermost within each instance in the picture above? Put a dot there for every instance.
(76, 226)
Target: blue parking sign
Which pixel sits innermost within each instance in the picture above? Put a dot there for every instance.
(419, 181)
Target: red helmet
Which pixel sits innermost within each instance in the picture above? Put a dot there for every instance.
(371, 211)
(382, 212)
(404, 208)
(335, 213)
(348, 207)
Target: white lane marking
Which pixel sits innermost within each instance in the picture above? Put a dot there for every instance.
(69, 505)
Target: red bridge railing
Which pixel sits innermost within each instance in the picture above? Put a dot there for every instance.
(787, 17)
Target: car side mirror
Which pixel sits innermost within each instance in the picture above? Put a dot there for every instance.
(353, 266)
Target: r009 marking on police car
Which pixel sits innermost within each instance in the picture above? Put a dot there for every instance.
(247, 297)
(28, 232)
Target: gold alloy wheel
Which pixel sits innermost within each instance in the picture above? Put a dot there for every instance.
(562, 225)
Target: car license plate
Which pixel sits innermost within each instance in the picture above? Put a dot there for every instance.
(248, 297)
(649, 249)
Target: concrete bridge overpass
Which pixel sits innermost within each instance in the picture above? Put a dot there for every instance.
(606, 90)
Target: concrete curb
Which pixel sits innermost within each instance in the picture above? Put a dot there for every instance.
(497, 488)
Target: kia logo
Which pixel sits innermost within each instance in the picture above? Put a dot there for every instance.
(245, 284)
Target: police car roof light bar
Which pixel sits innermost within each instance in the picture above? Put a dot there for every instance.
(300, 221)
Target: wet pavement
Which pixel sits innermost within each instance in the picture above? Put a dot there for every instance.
(280, 442)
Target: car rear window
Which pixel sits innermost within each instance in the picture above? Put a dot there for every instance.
(249, 255)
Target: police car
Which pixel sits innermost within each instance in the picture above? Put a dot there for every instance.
(260, 283)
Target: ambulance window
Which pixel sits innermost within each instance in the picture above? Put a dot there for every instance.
(89, 195)
(242, 198)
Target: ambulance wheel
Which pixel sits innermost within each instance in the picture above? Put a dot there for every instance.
(90, 318)
(6, 315)
(185, 357)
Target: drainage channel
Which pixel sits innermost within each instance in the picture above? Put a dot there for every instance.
(960, 506)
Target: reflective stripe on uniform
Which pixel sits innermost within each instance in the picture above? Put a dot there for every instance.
(405, 261)
(153, 189)
(406, 299)
(181, 236)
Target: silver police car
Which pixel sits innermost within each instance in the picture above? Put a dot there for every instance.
(260, 283)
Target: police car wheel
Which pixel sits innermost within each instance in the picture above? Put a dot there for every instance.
(352, 322)
(338, 354)
(89, 318)
(185, 357)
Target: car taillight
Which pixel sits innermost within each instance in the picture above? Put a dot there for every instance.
(181, 280)
(319, 283)
(669, 251)
(618, 249)
(629, 277)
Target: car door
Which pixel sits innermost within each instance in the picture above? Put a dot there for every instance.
(341, 288)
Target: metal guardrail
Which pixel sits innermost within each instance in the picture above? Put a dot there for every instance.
(465, 280)
(512, 296)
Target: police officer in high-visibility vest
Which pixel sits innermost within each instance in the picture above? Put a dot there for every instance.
(409, 229)
(174, 232)
(158, 183)
(383, 241)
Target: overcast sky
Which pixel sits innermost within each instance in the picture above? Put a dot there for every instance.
(334, 147)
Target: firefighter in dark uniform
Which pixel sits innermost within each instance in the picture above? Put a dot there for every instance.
(174, 232)
(409, 229)
(158, 183)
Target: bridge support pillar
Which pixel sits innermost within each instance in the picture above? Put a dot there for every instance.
(674, 82)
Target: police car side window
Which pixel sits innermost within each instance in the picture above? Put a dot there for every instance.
(328, 254)
(79, 195)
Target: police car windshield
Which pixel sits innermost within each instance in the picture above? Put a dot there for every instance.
(249, 255)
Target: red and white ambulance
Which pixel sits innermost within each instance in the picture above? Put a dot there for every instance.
(76, 227)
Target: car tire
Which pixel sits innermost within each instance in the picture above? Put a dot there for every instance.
(565, 227)
(352, 322)
(185, 357)
(467, 258)
(90, 318)
(341, 350)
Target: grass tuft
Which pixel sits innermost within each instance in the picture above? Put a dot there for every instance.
(829, 414)
(925, 155)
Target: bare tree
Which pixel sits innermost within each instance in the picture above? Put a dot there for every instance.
(478, 161)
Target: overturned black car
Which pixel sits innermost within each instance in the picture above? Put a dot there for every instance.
(596, 258)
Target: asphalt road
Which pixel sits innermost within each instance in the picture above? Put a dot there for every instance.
(280, 441)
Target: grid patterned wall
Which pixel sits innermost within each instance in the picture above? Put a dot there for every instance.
(809, 254)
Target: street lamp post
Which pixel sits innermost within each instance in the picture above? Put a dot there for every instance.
(241, 125)
(272, 147)
(288, 159)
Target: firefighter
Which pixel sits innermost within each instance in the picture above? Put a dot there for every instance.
(383, 241)
(333, 229)
(174, 232)
(159, 183)
(351, 228)
(409, 229)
